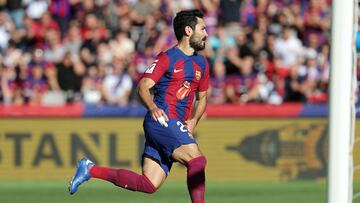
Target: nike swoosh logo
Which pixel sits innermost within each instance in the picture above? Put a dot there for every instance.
(88, 162)
(177, 70)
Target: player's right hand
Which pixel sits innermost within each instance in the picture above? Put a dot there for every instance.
(156, 113)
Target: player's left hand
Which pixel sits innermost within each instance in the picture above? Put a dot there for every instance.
(190, 124)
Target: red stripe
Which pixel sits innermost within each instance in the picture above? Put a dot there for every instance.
(71, 110)
(173, 87)
(254, 110)
(189, 105)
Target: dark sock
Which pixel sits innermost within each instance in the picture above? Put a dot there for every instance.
(196, 179)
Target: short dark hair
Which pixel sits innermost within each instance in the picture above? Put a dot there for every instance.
(183, 19)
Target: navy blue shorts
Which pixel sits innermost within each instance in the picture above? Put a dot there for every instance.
(161, 141)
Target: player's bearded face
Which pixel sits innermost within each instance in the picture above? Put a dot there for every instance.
(197, 40)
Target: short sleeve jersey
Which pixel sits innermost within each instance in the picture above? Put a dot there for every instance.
(177, 78)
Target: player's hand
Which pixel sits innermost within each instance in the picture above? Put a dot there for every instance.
(190, 124)
(156, 113)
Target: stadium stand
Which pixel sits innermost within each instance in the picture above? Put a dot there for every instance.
(58, 52)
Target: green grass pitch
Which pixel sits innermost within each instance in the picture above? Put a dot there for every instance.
(171, 192)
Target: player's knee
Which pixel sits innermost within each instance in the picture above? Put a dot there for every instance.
(196, 155)
(147, 186)
(185, 153)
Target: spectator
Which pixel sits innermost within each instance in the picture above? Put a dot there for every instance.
(268, 91)
(217, 90)
(258, 42)
(92, 85)
(165, 40)
(141, 11)
(177, 6)
(53, 48)
(243, 87)
(294, 85)
(229, 12)
(229, 16)
(243, 45)
(279, 75)
(262, 24)
(38, 59)
(276, 37)
(248, 13)
(113, 12)
(141, 62)
(148, 34)
(70, 72)
(288, 48)
(117, 85)
(11, 85)
(122, 46)
(72, 40)
(314, 78)
(6, 28)
(36, 8)
(210, 17)
(93, 29)
(43, 26)
(317, 20)
(16, 12)
(223, 47)
(60, 10)
(87, 57)
(35, 85)
(324, 68)
(104, 53)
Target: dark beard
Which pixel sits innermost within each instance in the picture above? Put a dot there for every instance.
(196, 45)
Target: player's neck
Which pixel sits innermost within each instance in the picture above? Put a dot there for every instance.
(185, 47)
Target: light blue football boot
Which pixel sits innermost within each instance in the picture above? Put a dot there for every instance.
(82, 174)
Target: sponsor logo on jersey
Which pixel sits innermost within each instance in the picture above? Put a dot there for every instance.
(183, 91)
(177, 70)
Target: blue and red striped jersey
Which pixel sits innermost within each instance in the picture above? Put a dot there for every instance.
(177, 78)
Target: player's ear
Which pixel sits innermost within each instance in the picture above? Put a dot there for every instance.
(188, 30)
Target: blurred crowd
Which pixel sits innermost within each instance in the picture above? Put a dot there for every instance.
(55, 52)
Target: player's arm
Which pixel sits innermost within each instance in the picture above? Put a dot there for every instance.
(201, 100)
(143, 91)
(200, 106)
(151, 76)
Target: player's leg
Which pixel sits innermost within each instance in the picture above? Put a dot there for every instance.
(195, 161)
(151, 179)
(153, 171)
(174, 142)
(186, 152)
(128, 179)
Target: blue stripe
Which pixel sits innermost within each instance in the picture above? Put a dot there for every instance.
(114, 111)
(161, 87)
(314, 110)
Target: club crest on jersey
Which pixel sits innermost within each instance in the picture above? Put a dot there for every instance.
(183, 91)
(197, 75)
